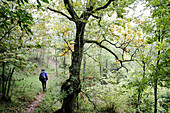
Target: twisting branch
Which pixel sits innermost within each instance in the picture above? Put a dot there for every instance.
(70, 9)
(89, 11)
(92, 58)
(105, 6)
(107, 49)
(114, 44)
(134, 52)
(8, 32)
(60, 13)
(89, 100)
(98, 17)
(102, 46)
(68, 46)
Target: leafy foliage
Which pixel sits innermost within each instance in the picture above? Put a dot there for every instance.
(139, 45)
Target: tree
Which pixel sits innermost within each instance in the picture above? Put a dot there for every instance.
(14, 30)
(158, 27)
(79, 13)
(15, 41)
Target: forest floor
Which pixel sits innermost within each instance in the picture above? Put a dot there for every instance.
(32, 106)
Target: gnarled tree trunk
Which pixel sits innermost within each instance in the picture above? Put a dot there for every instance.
(71, 87)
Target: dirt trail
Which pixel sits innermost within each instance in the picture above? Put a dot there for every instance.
(52, 62)
(34, 104)
(31, 107)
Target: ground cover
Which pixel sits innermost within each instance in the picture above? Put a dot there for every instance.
(52, 99)
(25, 89)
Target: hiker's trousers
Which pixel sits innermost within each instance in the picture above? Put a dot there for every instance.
(44, 85)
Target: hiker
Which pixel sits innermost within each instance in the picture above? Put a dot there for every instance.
(43, 77)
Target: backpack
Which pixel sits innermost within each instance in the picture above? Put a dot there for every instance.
(42, 76)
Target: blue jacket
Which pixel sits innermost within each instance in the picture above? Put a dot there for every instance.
(46, 76)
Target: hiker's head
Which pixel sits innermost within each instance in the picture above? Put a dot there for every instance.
(42, 69)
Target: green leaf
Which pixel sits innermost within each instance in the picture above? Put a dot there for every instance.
(46, 1)
(67, 6)
(26, 1)
(119, 14)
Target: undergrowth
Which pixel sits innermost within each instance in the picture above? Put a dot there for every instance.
(26, 86)
(51, 101)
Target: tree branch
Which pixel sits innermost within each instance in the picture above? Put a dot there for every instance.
(117, 58)
(97, 17)
(114, 44)
(60, 13)
(105, 6)
(92, 58)
(86, 14)
(70, 9)
(69, 48)
(102, 46)
(8, 32)
(89, 99)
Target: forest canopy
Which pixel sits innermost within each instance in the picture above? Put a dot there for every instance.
(112, 55)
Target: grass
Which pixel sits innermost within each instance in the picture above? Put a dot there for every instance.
(51, 100)
(25, 89)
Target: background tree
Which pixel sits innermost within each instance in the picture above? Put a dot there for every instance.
(14, 31)
(160, 37)
(15, 40)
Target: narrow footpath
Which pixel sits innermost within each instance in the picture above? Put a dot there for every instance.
(31, 107)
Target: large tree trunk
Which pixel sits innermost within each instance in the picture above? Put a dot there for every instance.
(71, 87)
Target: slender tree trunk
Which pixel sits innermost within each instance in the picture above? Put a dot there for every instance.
(156, 75)
(6, 83)
(100, 63)
(3, 82)
(64, 64)
(156, 86)
(37, 54)
(84, 65)
(9, 82)
(72, 86)
(106, 67)
(43, 57)
(47, 59)
(155, 94)
(6, 80)
(141, 89)
(56, 62)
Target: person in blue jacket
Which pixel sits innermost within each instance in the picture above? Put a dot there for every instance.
(43, 77)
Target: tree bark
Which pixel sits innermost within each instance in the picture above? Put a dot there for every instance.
(71, 88)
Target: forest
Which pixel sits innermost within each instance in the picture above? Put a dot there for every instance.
(101, 56)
